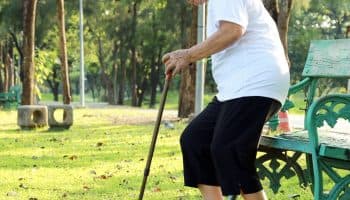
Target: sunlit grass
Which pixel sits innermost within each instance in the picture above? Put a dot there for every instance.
(98, 158)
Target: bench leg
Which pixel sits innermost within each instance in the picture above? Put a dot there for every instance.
(275, 173)
(341, 188)
(317, 181)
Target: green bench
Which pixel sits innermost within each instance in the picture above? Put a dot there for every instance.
(314, 155)
(12, 98)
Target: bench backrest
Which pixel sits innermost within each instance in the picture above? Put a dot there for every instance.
(328, 58)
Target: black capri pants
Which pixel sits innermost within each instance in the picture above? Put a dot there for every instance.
(219, 146)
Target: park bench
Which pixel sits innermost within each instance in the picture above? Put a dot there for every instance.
(12, 98)
(314, 155)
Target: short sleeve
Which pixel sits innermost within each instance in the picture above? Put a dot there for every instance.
(234, 11)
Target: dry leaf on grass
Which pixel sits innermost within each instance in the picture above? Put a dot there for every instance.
(73, 157)
(86, 188)
(12, 194)
(156, 189)
(99, 144)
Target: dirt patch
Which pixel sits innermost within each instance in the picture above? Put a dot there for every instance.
(148, 117)
(125, 115)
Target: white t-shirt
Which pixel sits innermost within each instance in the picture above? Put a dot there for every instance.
(255, 65)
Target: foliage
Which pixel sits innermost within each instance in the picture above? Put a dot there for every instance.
(109, 40)
(43, 61)
(312, 21)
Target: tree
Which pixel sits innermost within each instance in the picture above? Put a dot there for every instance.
(188, 75)
(29, 8)
(63, 53)
(134, 87)
(280, 11)
(1, 66)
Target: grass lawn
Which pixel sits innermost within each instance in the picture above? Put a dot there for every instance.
(102, 156)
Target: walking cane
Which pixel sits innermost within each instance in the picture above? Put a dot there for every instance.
(155, 135)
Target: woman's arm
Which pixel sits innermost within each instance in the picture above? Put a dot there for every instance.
(227, 34)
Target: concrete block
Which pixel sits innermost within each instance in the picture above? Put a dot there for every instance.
(67, 117)
(32, 116)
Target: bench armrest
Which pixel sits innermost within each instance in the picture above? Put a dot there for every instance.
(327, 109)
(299, 86)
(288, 104)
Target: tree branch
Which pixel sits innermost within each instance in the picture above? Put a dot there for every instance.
(18, 47)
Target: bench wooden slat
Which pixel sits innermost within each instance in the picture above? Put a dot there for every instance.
(332, 144)
(328, 58)
(300, 144)
(335, 152)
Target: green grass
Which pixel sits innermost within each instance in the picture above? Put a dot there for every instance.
(97, 159)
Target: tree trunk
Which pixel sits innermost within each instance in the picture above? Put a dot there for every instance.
(63, 53)
(54, 84)
(115, 79)
(280, 12)
(155, 78)
(104, 76)
(7, 68)
(347, 35)
(11, 66)
(272, 8)
(285, 8)
(29, 12)
(122, 80)
(20, 52)
(188, 75)
(1, 66)
(141, 96)
(134, 87)
(155, 60)
(91, 79)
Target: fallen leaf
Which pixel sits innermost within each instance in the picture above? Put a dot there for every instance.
(156, 189)
(173, 178)
(103, 177)
(12, 194)
(99, 144)
(86, 187)
(119, 167)
(53, 140)
(73, 157)
(294, 196)
(23, 186)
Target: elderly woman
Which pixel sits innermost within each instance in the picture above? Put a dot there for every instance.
(250, 69)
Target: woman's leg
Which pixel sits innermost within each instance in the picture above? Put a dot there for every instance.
(235, 143)
(195, 142)
(255, 196)
(210, 192)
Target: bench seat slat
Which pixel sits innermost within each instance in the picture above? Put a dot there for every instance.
(284, 142)
(332, 144)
